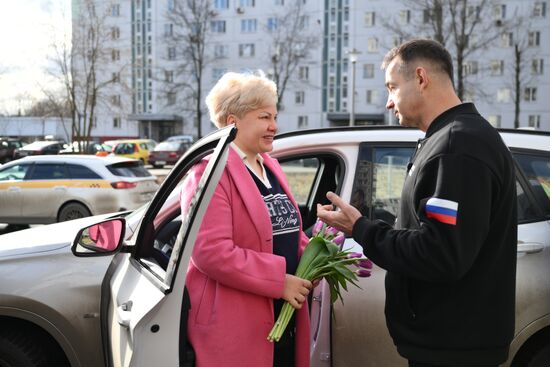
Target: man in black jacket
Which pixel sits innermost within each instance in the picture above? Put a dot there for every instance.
(451, 258)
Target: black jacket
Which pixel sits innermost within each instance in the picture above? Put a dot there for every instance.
(450, 283)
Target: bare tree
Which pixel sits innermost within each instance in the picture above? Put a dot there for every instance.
(80, 66)
(290, 45)
(464, 27)
(189, 38)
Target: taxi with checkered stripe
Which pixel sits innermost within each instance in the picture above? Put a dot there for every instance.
(48, 189)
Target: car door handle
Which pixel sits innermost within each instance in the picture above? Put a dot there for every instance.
(124, 315)
(529, 247)
(14, 189)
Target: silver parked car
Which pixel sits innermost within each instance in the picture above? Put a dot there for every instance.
(122, 300)
(55, 188)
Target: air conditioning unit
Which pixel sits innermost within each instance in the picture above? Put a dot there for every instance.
(240, 10)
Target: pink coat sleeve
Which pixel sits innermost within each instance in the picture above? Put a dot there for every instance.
(217, 254)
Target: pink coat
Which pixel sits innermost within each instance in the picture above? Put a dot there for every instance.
(233, 276)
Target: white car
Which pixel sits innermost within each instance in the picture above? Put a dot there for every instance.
(139, 313)
(55, 188)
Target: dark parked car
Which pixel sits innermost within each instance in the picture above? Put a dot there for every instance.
(7, 148)
(167, 152)
(39, 148)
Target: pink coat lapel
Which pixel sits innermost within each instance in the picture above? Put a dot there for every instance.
(251, 196)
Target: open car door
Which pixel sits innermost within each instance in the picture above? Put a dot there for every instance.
(144, 303)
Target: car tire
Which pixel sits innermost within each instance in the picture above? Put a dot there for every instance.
(536, 353)
(72, 211)
(21, 348)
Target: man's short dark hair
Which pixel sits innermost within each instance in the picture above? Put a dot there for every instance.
(425, 49)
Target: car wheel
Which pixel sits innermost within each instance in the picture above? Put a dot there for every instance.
(536, 353)
(73, 211)
(22, 348)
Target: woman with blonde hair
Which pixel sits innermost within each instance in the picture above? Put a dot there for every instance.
(249, 243)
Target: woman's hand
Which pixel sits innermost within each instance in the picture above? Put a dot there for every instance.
(296, 290)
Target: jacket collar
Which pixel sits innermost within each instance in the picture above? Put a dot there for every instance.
(449, 116)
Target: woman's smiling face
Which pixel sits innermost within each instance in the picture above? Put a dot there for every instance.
(256, 130)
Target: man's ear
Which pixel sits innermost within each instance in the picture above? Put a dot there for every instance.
(421, 77)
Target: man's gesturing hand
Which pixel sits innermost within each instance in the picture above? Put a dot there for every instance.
(343, 219)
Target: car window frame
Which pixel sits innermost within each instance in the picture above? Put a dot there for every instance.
(526, 186)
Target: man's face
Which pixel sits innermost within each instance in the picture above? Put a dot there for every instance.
(403, 94)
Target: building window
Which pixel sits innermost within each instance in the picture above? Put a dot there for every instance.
(539, 10)
(115, 10)
(372, 96)
(470, 68)
(279, 2)
(115, 33)
(497, 67)
(115, 100)
(507, 40)
(272, 24)
(171, 98)
(368, 71)
(249, 3)
(115, 55)
(221, 51)
(494, 120)
(372, 44)
(369, 19)
(246, 50)
(115, 77)
(248, 25)
(534, 39)
(221, 4)
(168, 30)
(217, 26)
(169, 76)
(530, 94)
(499, 12)
(537, 67)
(303, 23)
(171, 53)
(171, 4)
(503, 95)
(302, 122)
(303, 72)
(397, 40)
(405, 16)
(299, 97)
(116, 122)
(534, 121)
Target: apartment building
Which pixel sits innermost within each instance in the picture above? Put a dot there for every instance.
(153, 91)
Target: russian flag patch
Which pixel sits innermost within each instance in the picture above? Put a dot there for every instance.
(442, 210)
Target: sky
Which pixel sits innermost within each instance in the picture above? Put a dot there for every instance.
(28, 28)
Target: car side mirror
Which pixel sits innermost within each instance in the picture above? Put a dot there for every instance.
(104, 238)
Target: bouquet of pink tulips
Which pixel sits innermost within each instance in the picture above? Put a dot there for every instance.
(322, 258)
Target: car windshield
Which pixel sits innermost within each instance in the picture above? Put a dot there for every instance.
(129, 169)
(168, 146)
(38, 145)
(124, 148)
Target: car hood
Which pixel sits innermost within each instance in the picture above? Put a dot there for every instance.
(44, 238)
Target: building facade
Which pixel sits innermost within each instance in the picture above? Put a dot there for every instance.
(153, 63)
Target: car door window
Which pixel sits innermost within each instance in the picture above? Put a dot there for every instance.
(536, 168)
(379, 179)
(77, 171)
(48, 171)
(16, 172)
(301, 176)
(310, 176)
